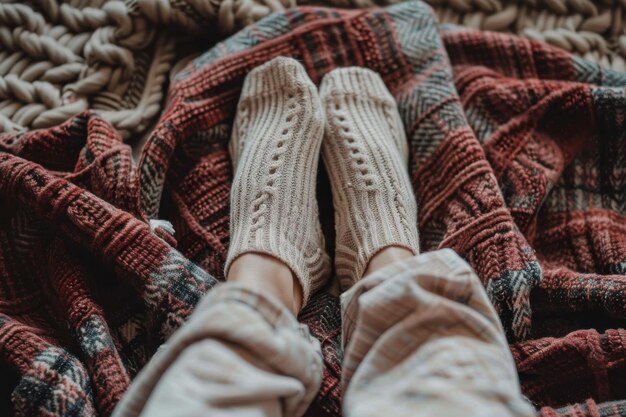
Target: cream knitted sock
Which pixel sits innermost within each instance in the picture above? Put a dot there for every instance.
(365, 153)
(275, 146)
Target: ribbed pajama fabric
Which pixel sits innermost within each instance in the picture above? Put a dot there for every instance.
(420, 338)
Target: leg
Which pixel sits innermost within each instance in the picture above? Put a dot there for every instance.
(420, 336)
(240, 354)
(275, 147)
(365, 152)
(243, 353)
(387, 256)
(422, 339)
(278, 280)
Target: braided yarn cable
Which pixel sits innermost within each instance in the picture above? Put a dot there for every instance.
(591, 29)
(59, 57)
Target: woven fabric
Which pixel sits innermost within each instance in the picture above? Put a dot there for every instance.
(516, 159)
(420, 338)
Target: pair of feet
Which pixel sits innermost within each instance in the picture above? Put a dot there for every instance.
(282, 123)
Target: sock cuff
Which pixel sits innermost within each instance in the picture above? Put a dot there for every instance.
(303, 266)
(355, 81)
(351, 268)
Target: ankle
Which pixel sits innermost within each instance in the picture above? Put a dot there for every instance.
(266, 274)
(386, 257)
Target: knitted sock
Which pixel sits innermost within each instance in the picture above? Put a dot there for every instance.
(275, 146)
(365, 153)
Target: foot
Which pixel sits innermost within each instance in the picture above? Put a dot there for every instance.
(365, 153)
(275, 147)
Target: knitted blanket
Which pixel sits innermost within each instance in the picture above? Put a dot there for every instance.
(592, 29)
(60, 57)
(517, 162)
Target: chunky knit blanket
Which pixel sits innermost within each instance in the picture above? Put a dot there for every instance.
(518, 157)
(593, 29)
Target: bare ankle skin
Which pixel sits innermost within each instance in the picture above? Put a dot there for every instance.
(386, 257)
(267, 275)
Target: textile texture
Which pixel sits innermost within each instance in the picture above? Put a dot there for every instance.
(366, 154)
(275, 147)
(422, 339)
(60, 57)
(240, 354)
(516, 159)
(591, 29)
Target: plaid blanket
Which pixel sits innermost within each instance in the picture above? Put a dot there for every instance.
(518, 161)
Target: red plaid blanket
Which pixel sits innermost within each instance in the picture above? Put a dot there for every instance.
(518, 160)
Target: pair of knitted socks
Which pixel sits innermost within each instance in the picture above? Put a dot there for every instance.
(281, 124)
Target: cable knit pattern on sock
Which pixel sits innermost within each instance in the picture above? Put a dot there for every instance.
(365, 152)
(275, 146)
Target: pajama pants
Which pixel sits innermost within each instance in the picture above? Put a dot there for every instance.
(420, 338)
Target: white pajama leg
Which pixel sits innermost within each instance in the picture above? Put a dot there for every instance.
(422, 339)
(241, 354)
